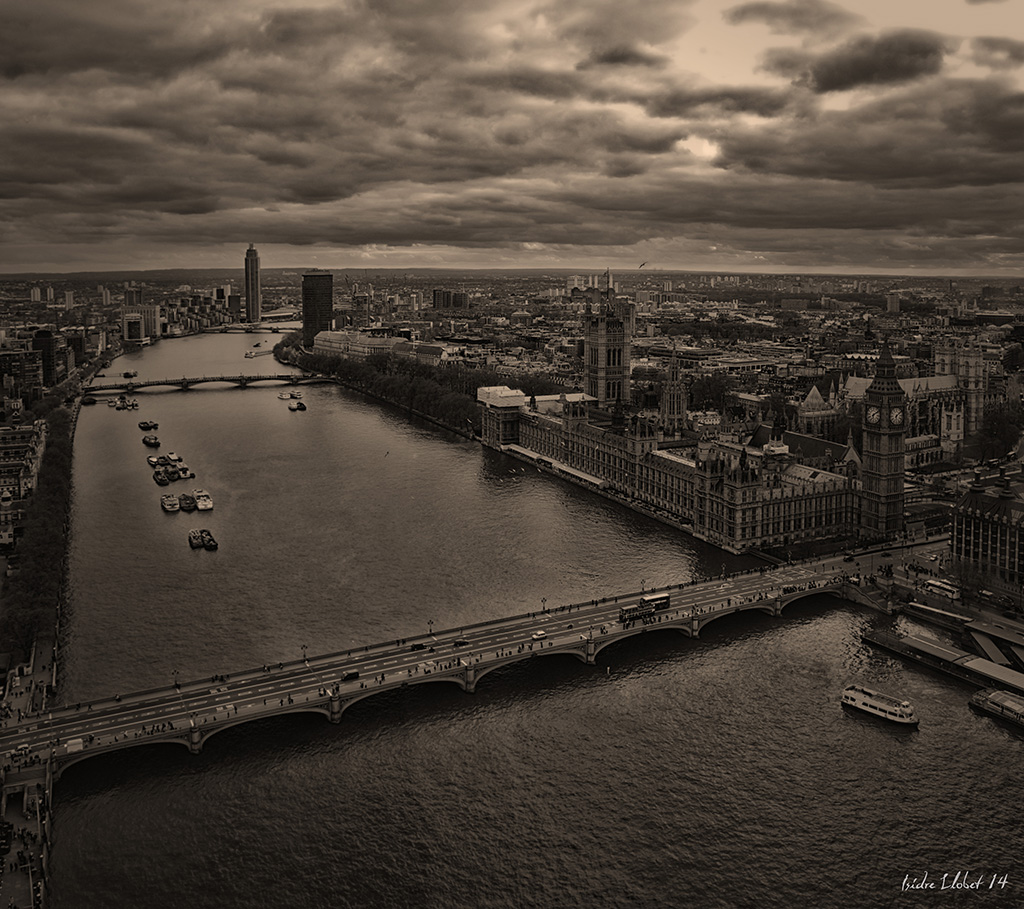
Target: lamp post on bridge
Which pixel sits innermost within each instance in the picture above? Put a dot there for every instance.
(319, 678)
(177, 687)
(543, 604)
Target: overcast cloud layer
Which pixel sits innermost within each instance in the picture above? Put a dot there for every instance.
(855, 135)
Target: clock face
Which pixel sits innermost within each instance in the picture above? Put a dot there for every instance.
(896, 416)
(874, 414)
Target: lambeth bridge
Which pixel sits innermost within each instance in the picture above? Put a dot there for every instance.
(188, 713)
(186, 382)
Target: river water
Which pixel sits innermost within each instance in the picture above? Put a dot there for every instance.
(717, 772)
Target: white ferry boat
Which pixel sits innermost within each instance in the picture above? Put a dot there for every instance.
(878, 704)
(204, 501)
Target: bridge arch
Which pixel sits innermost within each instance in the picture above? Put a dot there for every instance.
(766, 606)
(449, 675)
(64, 761)
(579, 652)
(209, 730)
(681, 624)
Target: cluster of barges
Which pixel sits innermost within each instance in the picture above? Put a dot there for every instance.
(168, 469)
(293, 398)
(201, 539)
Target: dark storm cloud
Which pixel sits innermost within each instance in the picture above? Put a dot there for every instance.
(56, 160)
(543, 83)
(764, 102)
(998, 53)
(888, 59)
(605, 24)
(957, 133)
(54, 37)
(518, 125)
(623, 55)
(814, 16)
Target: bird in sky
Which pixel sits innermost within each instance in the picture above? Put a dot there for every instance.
(642, 264)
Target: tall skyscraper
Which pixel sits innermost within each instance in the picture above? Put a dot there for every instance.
(317, 304)
(883, 451)
(252, 284)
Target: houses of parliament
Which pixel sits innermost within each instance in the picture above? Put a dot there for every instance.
(740, 490)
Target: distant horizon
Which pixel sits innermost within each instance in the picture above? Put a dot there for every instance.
(361, 271)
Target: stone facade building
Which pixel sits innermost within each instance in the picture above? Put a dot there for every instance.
(988, 537)
(734, 495)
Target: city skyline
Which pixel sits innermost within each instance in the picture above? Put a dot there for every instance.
(770, 137)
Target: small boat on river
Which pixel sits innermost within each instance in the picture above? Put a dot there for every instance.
(1003, 705)
(169, 503)
(881, 705)
(151, 441)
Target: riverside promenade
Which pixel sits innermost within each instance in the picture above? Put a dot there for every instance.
(25, 798)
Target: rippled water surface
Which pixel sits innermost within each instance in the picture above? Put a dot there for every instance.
(717, 772)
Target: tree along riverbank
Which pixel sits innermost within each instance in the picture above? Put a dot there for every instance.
(446, 396)
(31, 598)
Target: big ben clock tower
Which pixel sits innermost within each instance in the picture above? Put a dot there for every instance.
(885, 409)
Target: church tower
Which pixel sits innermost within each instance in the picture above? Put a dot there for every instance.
(673, 398)
(607, 345)
(883, 442)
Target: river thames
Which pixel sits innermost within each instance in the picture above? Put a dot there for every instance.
(718, 772)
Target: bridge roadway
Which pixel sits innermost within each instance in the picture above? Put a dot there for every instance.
(186, 382)
(190, 712)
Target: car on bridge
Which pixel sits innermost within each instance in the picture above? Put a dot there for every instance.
(539, 635)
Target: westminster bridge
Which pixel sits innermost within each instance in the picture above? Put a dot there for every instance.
(186, 382)
(188, 713)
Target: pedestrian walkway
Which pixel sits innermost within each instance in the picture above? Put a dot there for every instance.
(24, 803)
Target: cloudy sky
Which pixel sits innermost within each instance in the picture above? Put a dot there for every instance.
(774, 135)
